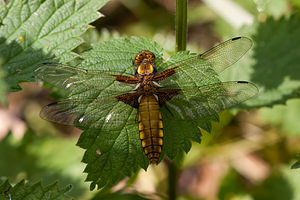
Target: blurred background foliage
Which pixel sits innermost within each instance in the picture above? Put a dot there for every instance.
(247, 156)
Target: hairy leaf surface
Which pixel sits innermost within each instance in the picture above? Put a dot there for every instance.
(37, 31)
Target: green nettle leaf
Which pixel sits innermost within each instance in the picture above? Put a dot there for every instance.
(273, 63)
(112, 155)
(111, 137)
(37, 31)
(22, 191)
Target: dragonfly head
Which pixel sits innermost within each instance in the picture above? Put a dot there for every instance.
(144, 62)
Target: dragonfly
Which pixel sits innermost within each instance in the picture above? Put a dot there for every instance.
(102, 99)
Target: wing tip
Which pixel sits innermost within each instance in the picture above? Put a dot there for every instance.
(253, 86)
(243, 82)
(236, 38)
(240, 37)
(245, 39)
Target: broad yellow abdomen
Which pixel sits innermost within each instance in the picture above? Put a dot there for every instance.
(150, 127)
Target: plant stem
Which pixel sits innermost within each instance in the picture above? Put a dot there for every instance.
(181, 24)
(181, 31)
(172, 179)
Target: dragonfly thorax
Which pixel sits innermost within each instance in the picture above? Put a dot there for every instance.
(147, 85)
(145, 68)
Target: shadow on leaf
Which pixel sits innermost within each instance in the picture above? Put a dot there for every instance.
(20, 60)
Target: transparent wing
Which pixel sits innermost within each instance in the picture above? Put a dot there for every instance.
(80, 82)
(192, 72)
(202, 69)
(102, 113)
(227, 53)
(204, 101)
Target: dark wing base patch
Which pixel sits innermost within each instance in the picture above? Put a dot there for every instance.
(129, 99)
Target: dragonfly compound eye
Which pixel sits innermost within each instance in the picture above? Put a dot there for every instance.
(151, 57)
(138, 59)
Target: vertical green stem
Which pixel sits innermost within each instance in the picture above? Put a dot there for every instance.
(181, 24)
(181, 32)
(172, 179)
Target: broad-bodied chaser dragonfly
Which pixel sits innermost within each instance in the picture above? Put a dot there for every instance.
(147, 91)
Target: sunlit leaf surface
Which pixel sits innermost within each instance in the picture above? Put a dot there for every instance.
(36, 31)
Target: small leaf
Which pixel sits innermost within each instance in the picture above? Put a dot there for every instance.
(39, 31)
(22, 191)
(296, 165)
